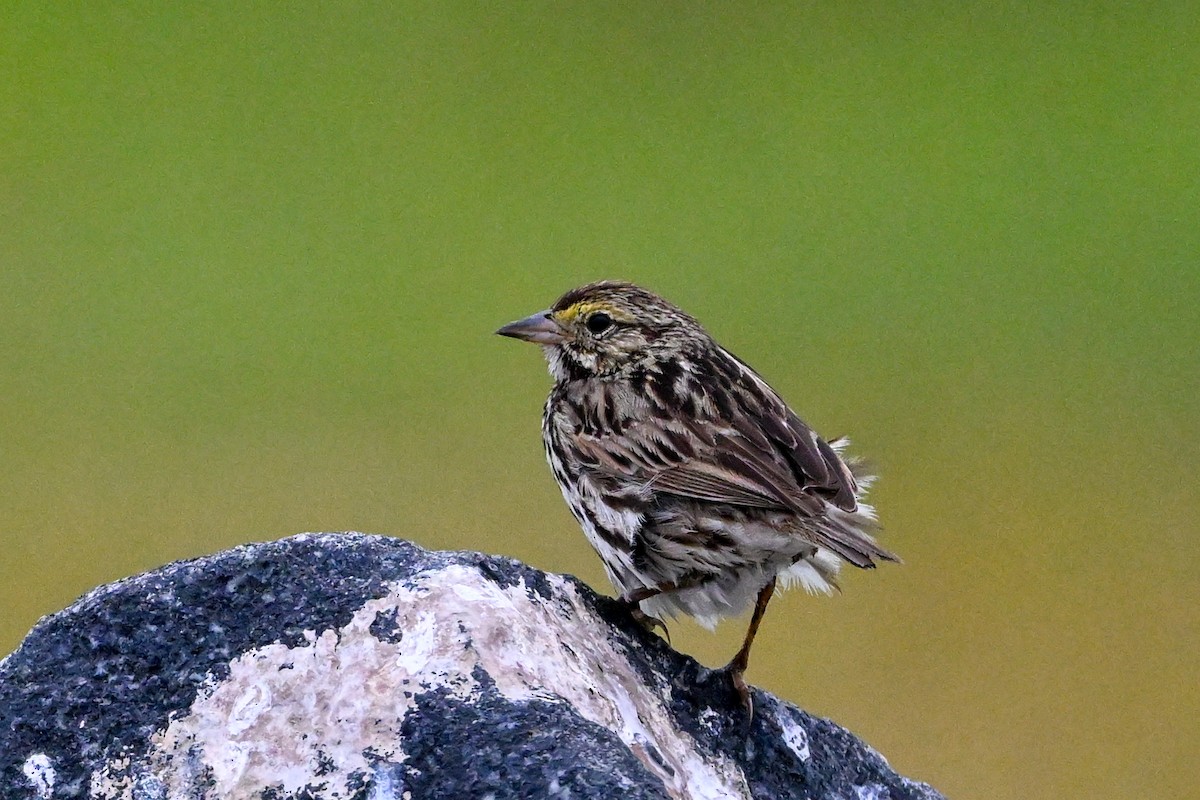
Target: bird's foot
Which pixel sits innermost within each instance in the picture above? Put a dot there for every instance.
(737, 676)
(650, 623)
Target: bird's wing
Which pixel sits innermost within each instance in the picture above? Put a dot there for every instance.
(759, 455)
(708, 459)
(731, 470)
(749, 449)
(769, 425)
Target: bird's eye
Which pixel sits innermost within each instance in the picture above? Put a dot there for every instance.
(598, 323)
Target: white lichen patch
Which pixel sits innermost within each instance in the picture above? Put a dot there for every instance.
(113, 780)
(39, 771)
(284, 715)
(872, 791)
(794, 736)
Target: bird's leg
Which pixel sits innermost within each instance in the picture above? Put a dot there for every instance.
(737, 666)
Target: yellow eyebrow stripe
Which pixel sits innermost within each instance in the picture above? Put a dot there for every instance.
(582, 309)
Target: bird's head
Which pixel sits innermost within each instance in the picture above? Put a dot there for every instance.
(606, 329)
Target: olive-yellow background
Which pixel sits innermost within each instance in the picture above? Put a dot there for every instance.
(251, 260)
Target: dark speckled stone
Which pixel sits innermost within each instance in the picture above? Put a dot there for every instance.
(516, 751)
(100, 678)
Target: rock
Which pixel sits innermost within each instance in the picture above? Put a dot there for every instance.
(354, 666)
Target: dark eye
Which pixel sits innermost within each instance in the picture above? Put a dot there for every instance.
(598, 323)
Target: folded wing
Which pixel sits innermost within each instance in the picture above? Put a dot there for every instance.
(760, 455)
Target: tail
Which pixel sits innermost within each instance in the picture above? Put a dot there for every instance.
(849, 533)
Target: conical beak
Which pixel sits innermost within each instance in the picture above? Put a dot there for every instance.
(540, 328)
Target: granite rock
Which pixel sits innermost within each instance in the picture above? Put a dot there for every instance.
(355, 666)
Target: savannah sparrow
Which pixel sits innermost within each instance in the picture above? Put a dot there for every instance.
(695, 483)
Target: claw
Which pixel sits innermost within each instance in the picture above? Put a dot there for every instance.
(651, 624)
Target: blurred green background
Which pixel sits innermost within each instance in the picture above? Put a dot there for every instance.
(251, 259)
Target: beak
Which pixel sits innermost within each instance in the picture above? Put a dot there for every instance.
(540, 328)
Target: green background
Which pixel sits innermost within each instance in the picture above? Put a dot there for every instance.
(251, 258)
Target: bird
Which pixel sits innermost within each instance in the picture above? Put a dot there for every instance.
(700, 489)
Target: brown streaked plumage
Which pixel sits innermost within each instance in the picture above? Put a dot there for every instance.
(696, 484)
